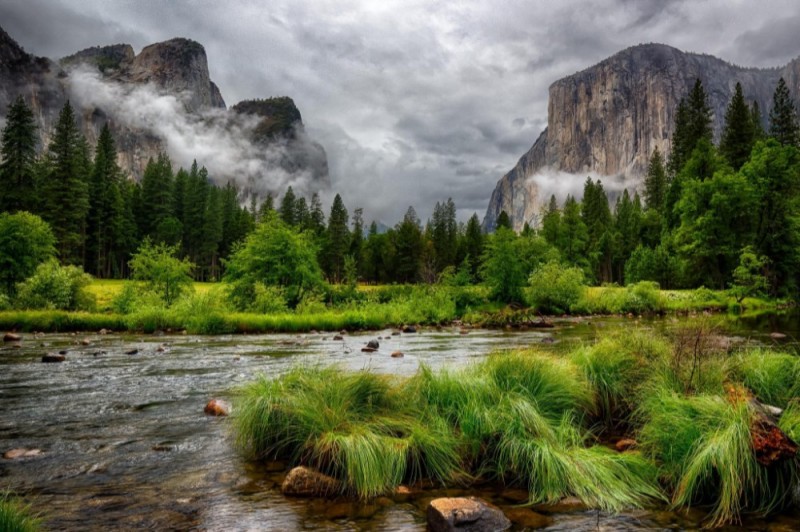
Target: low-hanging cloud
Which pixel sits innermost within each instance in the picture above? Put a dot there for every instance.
(551, 182)
(216, 138)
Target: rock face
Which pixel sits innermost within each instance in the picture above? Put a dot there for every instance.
(450, 514)
(176, 68)
(608, 119)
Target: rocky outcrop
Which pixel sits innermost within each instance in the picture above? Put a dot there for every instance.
(607, 120)
(176, 68)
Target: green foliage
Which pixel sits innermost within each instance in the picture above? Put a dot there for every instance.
(790, 420)
(655, 182)
(18, 148)
(748, 277)
(503, 269)
(738, 133)
(274, 255)
(16, 516)
(25, 242)
(268, 299)
(503, 221)
(55, 287)
(783, 125)
(555, 288)
(158, 266)
(774, 377)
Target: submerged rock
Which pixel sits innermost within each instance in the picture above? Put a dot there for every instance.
(215, 407)
(527, 518)
(14, 454)
(397, 354)
(465, 513)
(338, 337)
(132, 352)
(54, 357)
(409, 329)
(306, 482)
(368, 349)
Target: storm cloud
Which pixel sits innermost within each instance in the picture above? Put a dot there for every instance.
(414, 101)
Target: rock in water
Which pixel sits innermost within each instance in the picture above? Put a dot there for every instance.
(368, 350)
(12, 337)
(54, 357)
(397, 354)
(215, 407)
(13, 454)
(306, 482)
(409, 329)
(373, 344)
(449, 514)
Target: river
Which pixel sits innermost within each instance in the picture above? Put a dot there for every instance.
(125, 444)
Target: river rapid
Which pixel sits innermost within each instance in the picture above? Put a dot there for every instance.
(125, 443)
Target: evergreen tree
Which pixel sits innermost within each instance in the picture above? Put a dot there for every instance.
(301, 214)
(375, 251)
(678, 153)
(267, 206)
(155, 209)
(443, 236)
(18, 148)
(337, 244)
(288, 210)
(738, 133)
(692, 123)
(316, 216)
(408, 245)
(503, 220)
(357, 238)
(757, 121)
(551, 222)
(65, 194)
(213, 231)
(473, 242)
(196, 204)
(574, 235)
(783, 117)
(106, 219)
(655, 182)
(628, 225)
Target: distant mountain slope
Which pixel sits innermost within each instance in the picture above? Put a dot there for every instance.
(608, 119)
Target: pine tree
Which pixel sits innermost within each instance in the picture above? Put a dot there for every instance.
(196, 205)
(628, 225)
(757, 121)
(337, 244)
(551, 222)
(17, 177)
(316, 216)
(357, 238)
(473, 242)
(287, 210)
(503, 220)
(65, 194)
(301, 214)
(738, 133)
(574, 235)
(655, 182)
(213, 230)
(267, 206)
(692, 123)
(783, 117)
(155, 210)
(105, 223)
(678, 153)
(408, 248)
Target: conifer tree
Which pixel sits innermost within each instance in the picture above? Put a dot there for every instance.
(65, 194)
(155, 216)
(692, 123)
(678, 153)
(267, 206)
(757, 121)
(783, 117)
(337, 244)
(357, 237)
(655, 182)
(18, 151)
(288, 211)
(503, 220)
(301, 214)
(738, 133)
(473, 242)
(408, 248)
(551, 222)
(316, 216)
(574, 235)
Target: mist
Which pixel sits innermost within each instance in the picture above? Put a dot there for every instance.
(218, 139)
(562, 184)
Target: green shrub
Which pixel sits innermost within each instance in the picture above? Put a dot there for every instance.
(5, 302)
(268, 299)
(555, 288)
(16, 516)
(56, 287)
(203, 313)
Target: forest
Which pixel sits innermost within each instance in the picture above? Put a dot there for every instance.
(719, 216)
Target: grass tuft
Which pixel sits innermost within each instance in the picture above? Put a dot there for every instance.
(16, 516)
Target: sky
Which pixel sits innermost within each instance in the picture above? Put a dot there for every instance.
(414, 101)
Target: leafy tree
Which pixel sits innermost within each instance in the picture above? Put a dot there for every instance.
(25, 242)
(274, 254)
(503, 220)
(655, 182)
(556, 288)
(738, 133)
(65, 194)
(783, 125)
(337, 244)
(660, 265)
(160, 268)
(502, 267)
(18, 148)
(749, 277)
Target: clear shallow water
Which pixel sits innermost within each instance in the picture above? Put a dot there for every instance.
(126, 444)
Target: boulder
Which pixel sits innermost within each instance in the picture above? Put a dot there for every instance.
(395, 333)
(12, 337)
(54, 357)
(215, 407)
(306, 482)
(132, 352)
(409, 329)
(373, 344)
(86, 342)
(338, 337)
(449, 514)
(397, 354)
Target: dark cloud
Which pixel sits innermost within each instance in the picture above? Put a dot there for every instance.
(414, 101)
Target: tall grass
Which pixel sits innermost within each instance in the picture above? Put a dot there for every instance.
(774, 377)
(16, 516)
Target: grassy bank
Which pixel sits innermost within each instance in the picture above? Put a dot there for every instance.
(539, 421)
(16, 516)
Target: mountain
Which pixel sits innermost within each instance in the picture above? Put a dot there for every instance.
(162, 99)
(607, 120)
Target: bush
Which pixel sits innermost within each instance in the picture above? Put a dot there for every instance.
(555, 288)
(5, 302)
(268, 299)
(26, 241)
(163, 272)
(56, 287)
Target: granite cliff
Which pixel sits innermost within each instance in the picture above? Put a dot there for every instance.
(607, 120)
(98, 79)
